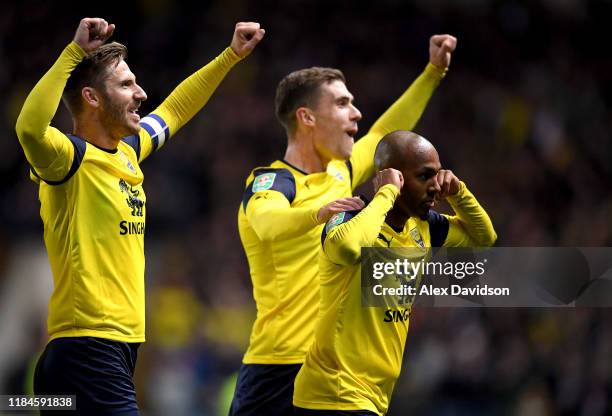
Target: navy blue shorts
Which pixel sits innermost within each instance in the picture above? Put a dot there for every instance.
(264, 389)
(98, 371)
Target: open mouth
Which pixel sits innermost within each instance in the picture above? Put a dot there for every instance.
(134, 112)
(352, 132)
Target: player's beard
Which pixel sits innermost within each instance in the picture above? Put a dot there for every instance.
(410, 207)
(115, 118)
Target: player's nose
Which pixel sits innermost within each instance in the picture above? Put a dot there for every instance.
(140, 94)
(355, 113)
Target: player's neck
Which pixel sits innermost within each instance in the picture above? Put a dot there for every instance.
(303, 155)
(94, 132)
(397, 218)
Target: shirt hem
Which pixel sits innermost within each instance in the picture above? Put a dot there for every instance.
(97, 334)
(335, 406)
(273, 360)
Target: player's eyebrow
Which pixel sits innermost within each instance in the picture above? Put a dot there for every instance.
(130, 78)
(346, 97)
(429, 170)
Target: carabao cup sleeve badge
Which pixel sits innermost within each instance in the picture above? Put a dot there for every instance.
(335, 220)
(264, 182)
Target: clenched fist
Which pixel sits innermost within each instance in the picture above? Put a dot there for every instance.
(440, 49)
(339, 205)
(449, 184)
(388, 176)
(92, 33)
(246, 36)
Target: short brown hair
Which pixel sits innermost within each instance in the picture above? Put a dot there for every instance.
(299, 89)
(91, 71)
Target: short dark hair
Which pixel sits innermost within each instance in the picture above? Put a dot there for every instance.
(91, 71)
(301, 88)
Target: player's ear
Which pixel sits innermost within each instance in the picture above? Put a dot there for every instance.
(91, 97)
(304, 116)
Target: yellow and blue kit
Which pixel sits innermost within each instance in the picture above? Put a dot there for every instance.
(278, 227)
(93, 205)
(356, 356)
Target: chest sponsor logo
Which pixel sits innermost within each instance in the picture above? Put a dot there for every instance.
(133, 201)
(131, 227)
(264, 182)
(397, 315)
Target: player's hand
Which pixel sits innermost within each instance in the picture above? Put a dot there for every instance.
(92, 33)
(448, 182)
(440, 49)
(246, 36)
(339, 205)
(387, 176)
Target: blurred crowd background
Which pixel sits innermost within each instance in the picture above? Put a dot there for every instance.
(523, 117)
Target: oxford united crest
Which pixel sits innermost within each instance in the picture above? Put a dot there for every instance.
(416, 236)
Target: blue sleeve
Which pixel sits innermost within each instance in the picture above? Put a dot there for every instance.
(438, 228)
(270, 179)
(79, 152)
(134, 142)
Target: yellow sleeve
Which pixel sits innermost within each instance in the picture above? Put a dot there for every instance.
(48, 151)
(272, 217)
(343, 242)
(184, 102)
(402, 115)
(471, 225)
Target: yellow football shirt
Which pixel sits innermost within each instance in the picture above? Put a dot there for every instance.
(93, 205)
(282, 259)
(278, 227)
(356, 356)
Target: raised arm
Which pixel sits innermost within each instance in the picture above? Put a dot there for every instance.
(407, 110)
(194, 92)
(48, 151)
(345, 234)
(471, 225)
